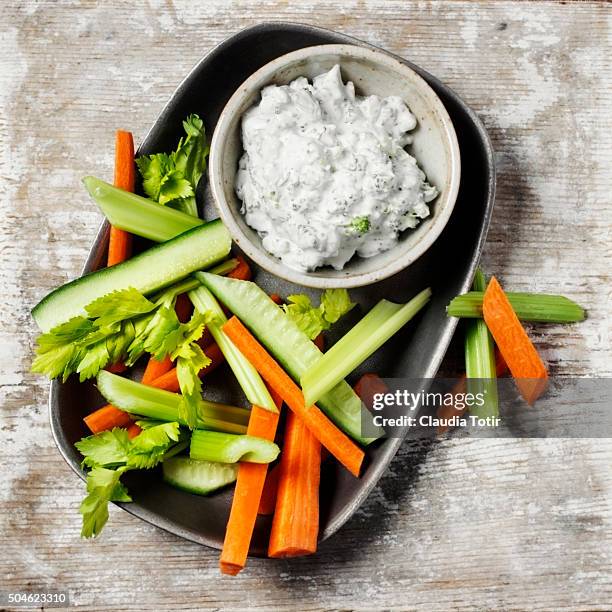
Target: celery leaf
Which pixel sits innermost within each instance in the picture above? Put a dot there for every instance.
(172, 179)
(335, 303)
(313, 320)
(103, 486)
(105, 449)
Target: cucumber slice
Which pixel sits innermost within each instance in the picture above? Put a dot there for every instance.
(289, 345)
(199, 477)
(158, 267)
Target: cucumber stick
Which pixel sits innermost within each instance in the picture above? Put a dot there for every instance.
(289, 345)
(199, 477)
(158, 267)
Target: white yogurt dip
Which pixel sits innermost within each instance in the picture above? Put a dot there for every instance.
(324, 174)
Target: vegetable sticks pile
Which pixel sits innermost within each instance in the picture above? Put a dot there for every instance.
(191, 307)
(494, 318)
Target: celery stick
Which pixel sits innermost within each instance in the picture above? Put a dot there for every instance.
(248, 377)
(480, 361)
(162, 405)
(538, 307)
(227, 448)
(225, 267)
(382, 322)
(138, 215)
(176, 449)
(173, 291)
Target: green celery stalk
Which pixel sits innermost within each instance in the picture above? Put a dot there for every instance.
(539, 307)
(249, 379)
(162, 405)
(227, 448)
(480, 361)
(225, 267)
(176, 449)
(166, 295)
(382, 322)
(184, 286)
(138, 215)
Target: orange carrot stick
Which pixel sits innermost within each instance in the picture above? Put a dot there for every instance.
(267, 503)
(133, 430)
(242, 271)
(320, 342)
(110, 417)
(116, 368)
(247, 495)
(295, 526)
(367, 386)
(183, 307)
(277, 299)
(524, 362)
(120, 242)
(107, 417)
(338, 444)
(155, 369)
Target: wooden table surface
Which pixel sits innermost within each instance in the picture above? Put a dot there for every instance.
(499, 524)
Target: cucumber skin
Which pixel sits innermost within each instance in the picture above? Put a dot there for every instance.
(150, 271)
(181, 473)
(294, 350)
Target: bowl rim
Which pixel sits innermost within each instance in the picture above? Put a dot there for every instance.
(271, 263)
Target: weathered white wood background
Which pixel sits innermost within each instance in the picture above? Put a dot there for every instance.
(466, 525)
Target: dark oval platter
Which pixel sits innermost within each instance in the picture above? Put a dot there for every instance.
(416, 352)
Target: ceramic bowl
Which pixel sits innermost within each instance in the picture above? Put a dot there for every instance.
(372, 72)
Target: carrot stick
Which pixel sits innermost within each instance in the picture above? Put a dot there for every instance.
(367, 386)
(107, 417)
(320, 342)
(338, 444)
(116, 368)
(155, 369)
(110, 417)
(295, 526)
(277, 299)
(524, 362)
(247, 495)
(120, 242)
(242, 271)
(183, 307)
(267, 503)
(133, 430)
